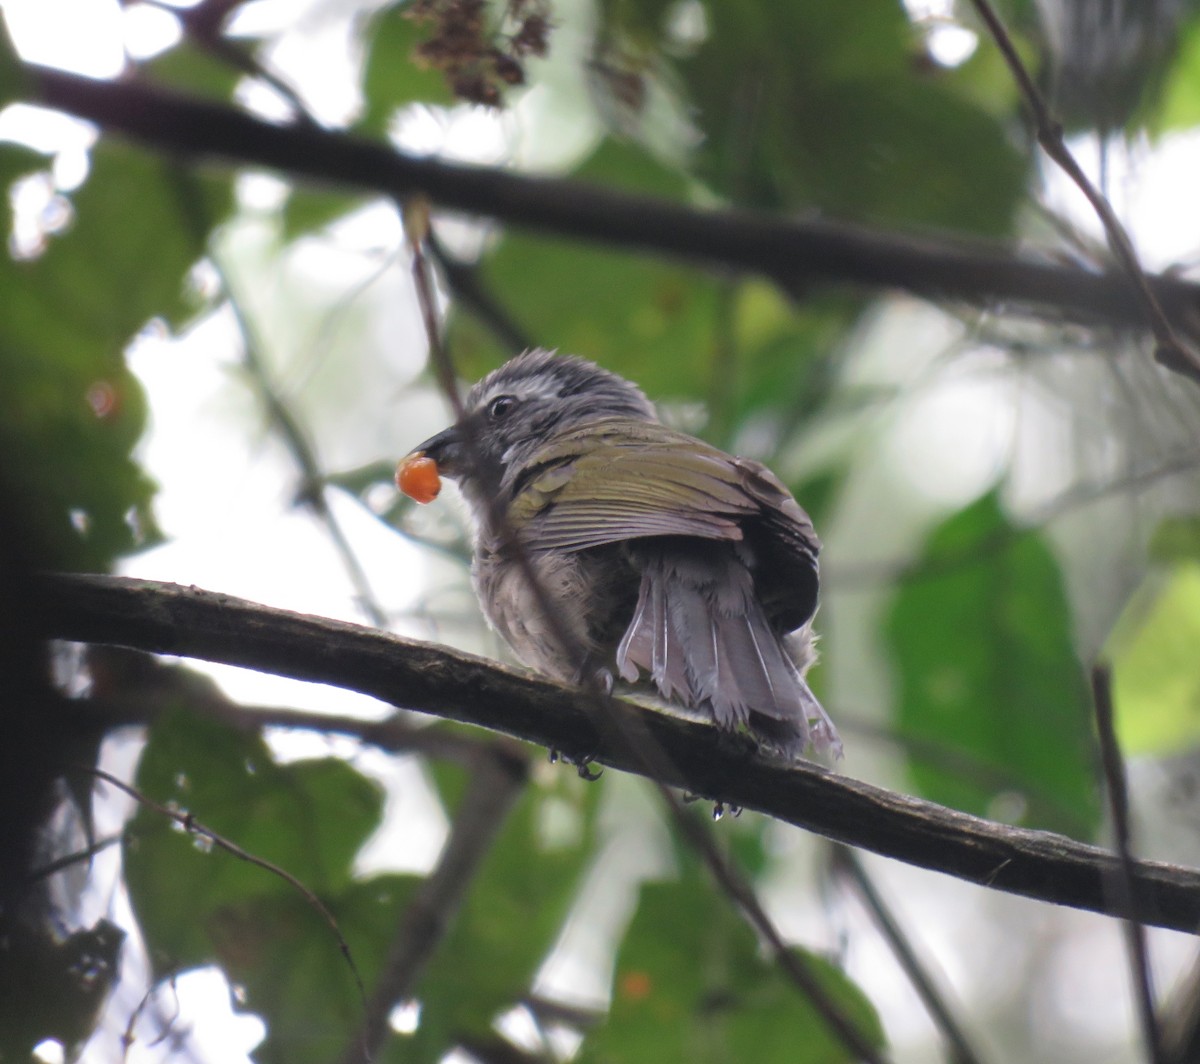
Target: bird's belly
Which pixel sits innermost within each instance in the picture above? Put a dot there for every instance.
(576, 627)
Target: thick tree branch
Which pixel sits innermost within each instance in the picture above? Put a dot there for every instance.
(787, 249)
(168, 619)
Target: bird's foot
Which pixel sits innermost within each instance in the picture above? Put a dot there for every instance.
(721, 809)
(581, 764)
(596, 678)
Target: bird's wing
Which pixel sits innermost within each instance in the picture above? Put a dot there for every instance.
(619, 479)
(783, 519)
(783, 539)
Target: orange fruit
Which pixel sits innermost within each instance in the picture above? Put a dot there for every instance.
(417, 476)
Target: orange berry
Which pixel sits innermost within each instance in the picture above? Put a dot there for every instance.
(417, 476)
(635, 985)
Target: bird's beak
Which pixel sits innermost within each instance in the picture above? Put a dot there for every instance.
(446, 449)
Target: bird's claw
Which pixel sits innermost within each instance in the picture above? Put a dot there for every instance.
(586, 772)
(581, 764)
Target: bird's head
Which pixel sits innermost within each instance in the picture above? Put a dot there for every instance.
(516, 409)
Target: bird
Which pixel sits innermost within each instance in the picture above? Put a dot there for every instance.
(660, 559)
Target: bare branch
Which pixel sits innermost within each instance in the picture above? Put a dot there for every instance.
(168, 619)
(47, 870)
(782, 248)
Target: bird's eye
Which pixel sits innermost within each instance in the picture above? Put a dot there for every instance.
(501, 406)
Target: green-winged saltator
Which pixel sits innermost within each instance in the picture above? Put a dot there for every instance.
(657, 553)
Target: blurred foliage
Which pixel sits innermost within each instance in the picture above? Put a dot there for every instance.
(54, 990)
(1156, 670)
(836, 110)
(509, 922)
(310, 818)
(72, 412)
(392, 79)
(1181, 91)
(737, 345)
(1177, 539)
(781, 87)
(1109, 61)
(200, 905)
(692, 984)
(193, 69)
(980, 634)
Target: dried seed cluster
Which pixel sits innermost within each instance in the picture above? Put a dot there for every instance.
(479, 55)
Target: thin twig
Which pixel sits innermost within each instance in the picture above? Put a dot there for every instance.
(295, 440)
(471, 293)
(1171, 351)
(846, 862)
(1125, 879)
(187, 621)
(415, 214)
(128, 1038)
(59, 863)
(793, 964)
(192, 826)
(204, 26)
(496, 782)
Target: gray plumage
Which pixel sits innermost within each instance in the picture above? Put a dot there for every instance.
(662, 556)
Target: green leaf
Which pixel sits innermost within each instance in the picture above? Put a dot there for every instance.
(825, 106)
(786, 353)
(692, 984)
(12, 74)
(53, 986)
(140, 225)
(627, 166)
(511, 918)
(393, 78)
(1156, 669)
(70, 407)
(1179, 107)
(1176, 539)
(309, 818)
(195, 70)
(288, 963)
(981, 640)
(649, 321)
(681, 334)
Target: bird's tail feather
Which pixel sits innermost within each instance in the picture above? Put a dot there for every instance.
(700, 632)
